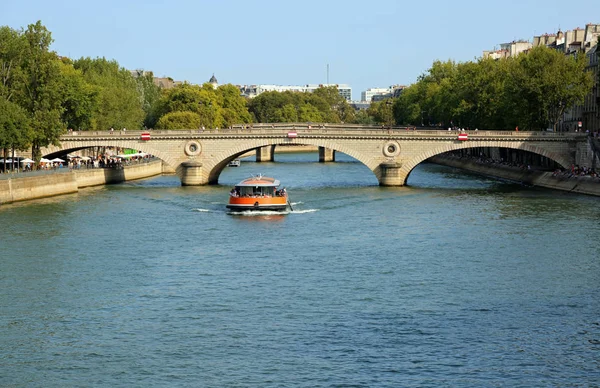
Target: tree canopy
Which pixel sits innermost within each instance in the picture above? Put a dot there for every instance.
(531, 90)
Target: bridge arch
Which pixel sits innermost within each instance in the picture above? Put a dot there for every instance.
(131, 144)
(220, 161)
(413, 162)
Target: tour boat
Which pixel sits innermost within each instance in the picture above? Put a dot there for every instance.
(234, 163)
(258, 193)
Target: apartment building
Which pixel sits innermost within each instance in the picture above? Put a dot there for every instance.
(252, 91)
(510, 49)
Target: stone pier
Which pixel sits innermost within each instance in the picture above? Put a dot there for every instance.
(191, 173)
(265, 154)
(326, 155)
(390, 174)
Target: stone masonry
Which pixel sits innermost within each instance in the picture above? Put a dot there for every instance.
(199, 156)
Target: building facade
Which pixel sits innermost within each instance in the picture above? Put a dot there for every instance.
(511, 49)
(252, 91)
(368, 94)
(591, 105)
(380, 94)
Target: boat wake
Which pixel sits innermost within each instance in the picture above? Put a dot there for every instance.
(254, 213)
(304, 211)
(263, 213)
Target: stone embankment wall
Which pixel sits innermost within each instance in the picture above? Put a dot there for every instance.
(25, 187)
(581, 185)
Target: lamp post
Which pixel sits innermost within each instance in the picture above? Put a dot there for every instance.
(389, 104)
(423, 111)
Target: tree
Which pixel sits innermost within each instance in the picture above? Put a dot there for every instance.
(408, 108)
(149, 94)
(202, 100)
(119, 102)
(42, 94)
(235, 109)
(543, 83)
(382, 111)
(179, 120)
(15, 132)
(79, 99)
(12, 49)
(362, 117)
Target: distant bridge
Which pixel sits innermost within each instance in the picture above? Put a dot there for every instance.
(199, 156)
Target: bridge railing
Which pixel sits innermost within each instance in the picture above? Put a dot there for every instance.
(310, 128)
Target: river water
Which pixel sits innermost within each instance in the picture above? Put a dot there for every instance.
(457, 280)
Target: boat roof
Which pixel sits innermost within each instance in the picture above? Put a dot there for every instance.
(259, 180)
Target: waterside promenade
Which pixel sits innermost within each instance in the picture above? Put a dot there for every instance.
(48, 183)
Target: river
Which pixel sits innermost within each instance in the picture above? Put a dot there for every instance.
(454, 280)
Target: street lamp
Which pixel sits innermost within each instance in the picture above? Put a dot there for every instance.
(423, 111)
(389, 104)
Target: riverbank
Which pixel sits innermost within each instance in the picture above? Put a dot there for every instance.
(575, 184)
(23, 188)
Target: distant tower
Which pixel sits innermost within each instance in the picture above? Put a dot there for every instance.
(213, 81)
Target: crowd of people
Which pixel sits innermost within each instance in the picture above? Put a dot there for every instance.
(576, 171)
(573, 171)
(79, 162)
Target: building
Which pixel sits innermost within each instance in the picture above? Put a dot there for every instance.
(394, 92)
(591, 105)
(368, 94)
(379, 94)
(213, 81)
(507, 50)
(252, 91)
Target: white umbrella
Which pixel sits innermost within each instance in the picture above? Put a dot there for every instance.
(85, 158)
(44, 160)
(27, 160)
(57, 160)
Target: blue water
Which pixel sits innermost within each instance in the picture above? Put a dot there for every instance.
(456, 280)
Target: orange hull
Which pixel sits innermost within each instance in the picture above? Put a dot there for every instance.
(258, 203)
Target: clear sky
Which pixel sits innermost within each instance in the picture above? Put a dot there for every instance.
(366, 43)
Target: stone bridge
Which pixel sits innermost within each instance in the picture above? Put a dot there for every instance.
(391, 153)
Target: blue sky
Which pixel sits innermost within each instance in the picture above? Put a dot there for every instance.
(366, 43)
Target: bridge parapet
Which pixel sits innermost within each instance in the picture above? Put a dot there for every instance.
(328, 130)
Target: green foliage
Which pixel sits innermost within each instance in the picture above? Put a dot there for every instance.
(179, 120)
(149, 96)
(79, 99)
(382, 112)
(234, 107)
(15, 132)
(42, 88)
(362, 117)
(323, 105)
(12, 50)
(531, 91)
(216, 108)
(545, 82)
(119, 102)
